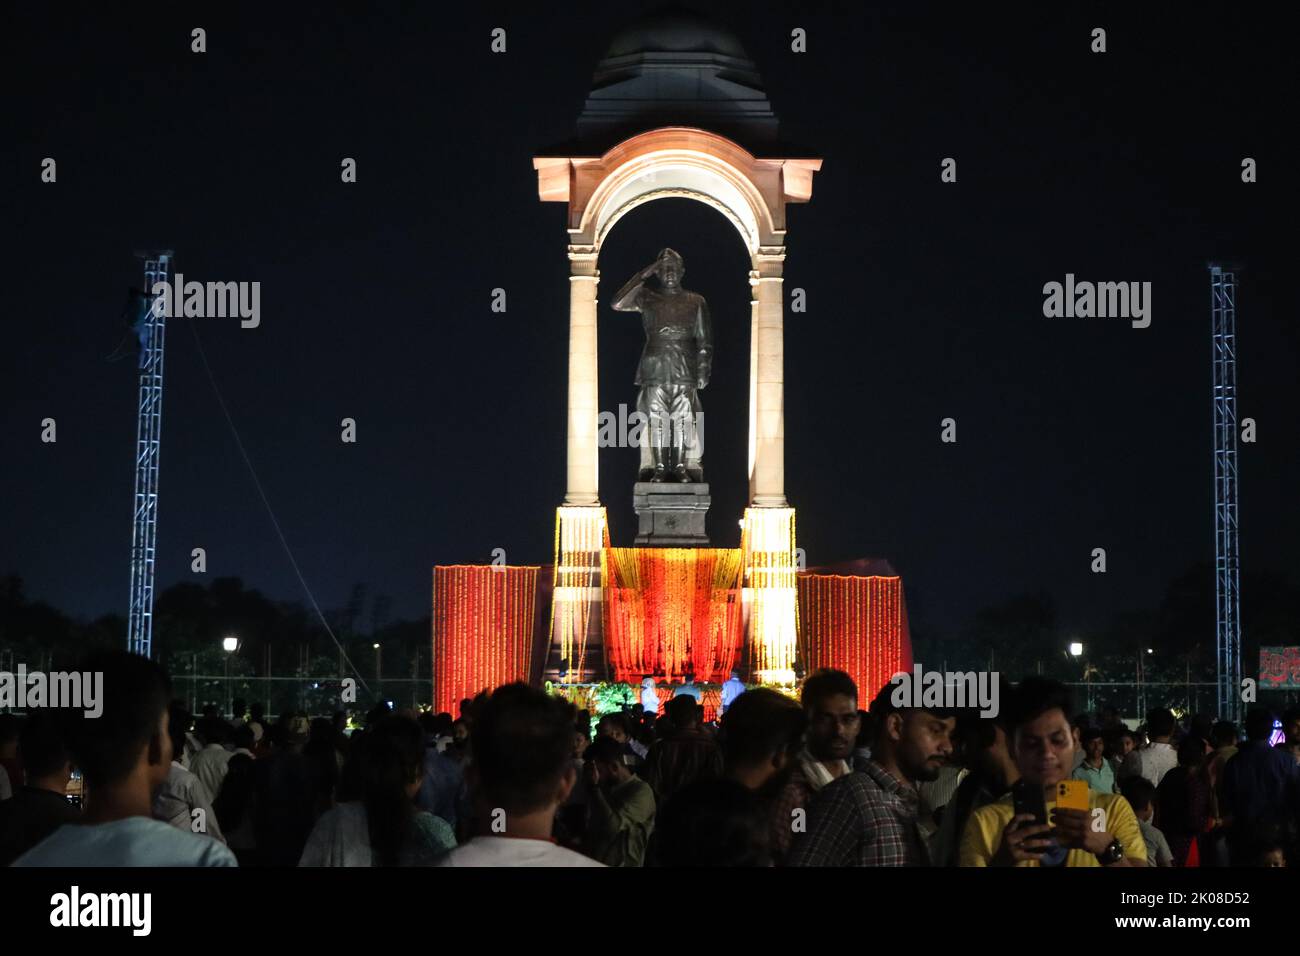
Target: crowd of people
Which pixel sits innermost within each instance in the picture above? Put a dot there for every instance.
(523, 778)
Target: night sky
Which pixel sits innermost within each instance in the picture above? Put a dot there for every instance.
(924, 299)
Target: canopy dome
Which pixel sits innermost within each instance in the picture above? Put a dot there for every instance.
(675, 32)
(675, 68)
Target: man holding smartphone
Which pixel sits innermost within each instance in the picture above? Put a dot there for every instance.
(1031, 830)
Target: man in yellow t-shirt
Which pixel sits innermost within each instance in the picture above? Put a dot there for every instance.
(1043, 747)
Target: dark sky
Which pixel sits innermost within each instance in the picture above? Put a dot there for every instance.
(924, 299)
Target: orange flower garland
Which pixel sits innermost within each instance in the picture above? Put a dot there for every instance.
(672, 610)
(482, 629)
(855, 624)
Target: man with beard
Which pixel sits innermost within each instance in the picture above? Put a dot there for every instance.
(870, 817)
(760, 736)
(830, 704)
(620, 807)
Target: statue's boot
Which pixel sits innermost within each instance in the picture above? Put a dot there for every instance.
(680, 473)
(660, 473)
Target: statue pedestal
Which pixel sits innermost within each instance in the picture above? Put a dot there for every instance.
(670, 514)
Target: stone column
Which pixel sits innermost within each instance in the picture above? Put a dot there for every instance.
(582, 485)
(767, 384)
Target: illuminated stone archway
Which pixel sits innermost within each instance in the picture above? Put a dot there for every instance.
(678, 162)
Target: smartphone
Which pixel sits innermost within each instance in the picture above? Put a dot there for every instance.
(1072, 795)
(1028, 798)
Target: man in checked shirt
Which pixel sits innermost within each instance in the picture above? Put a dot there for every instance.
(870, 817)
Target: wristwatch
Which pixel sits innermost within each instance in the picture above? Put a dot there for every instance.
(1112, 854)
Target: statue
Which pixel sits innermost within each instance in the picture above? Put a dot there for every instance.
(675, 365)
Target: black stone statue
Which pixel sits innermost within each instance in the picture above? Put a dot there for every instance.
(675, 365)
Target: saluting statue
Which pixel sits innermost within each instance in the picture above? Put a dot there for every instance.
(675, 365)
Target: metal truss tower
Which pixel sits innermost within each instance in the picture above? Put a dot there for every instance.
(151, 327)
(1227, 562)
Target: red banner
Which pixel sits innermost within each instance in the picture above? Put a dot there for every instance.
(1279, 668)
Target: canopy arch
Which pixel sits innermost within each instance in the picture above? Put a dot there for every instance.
(751, 192)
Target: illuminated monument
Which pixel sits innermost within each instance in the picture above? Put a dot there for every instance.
(677, 110)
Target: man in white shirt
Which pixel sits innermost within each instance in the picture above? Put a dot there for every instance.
(649, 696)
(522, 773)
(1157, 758)
(183, 801)
(732, 689)
(210, 763)
(125, 755)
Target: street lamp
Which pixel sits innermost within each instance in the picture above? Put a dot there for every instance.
(378, 660)
(229, 645)
(1076, 651)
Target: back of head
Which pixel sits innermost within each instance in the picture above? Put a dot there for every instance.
(1201, 725)
(759, 725)
(214, 730)
(1223, 734)
(1161, 722)
(683, 711)
(866, 729)
(392, 759)
(713, 823)
(9, 728)
(1191, 751)
(243, 737)
(42, 746)
(1259, 723)
(395, 749)
(135, 695)
(1138, 791)
(522, 741)
(322, 732)
(976, 735)
(178, 725)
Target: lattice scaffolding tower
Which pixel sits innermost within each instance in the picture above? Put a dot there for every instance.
(151, 327)
(1227, 560)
